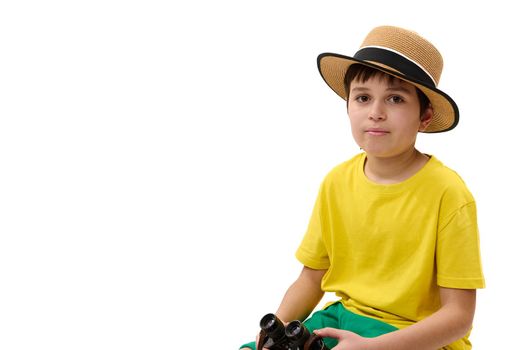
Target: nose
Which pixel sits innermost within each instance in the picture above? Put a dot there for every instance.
(377, 112)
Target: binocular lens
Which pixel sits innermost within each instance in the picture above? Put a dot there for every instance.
(294, 329)
(268, 323)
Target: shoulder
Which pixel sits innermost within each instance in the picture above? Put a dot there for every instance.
(444, 176)
(454, 192)
(345, 169)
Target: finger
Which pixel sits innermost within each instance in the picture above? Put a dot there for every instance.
(329, 332)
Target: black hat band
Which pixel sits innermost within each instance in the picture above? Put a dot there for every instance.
(396, 62)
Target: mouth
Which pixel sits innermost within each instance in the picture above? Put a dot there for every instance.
(376, 132)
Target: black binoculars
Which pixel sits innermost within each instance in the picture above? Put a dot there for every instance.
(274, 335)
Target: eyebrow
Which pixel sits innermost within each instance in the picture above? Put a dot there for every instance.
(399, 88)
(358, 89)
(390, 88)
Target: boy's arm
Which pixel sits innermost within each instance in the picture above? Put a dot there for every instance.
(451, 322)
(302, 296)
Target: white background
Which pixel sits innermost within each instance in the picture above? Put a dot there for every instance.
(159, 160)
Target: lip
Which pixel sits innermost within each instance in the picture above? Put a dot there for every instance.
(376, 131)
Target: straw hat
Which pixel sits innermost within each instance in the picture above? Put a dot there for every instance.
(403, 54)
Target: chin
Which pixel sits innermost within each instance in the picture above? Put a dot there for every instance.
(378, 153)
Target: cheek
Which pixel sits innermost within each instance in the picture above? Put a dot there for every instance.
(356, 131)
(354, 117)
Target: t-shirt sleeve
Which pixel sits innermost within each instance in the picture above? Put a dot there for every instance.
(458, 248)
(312, 251)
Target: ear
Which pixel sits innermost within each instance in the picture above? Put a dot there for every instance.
(425, 118)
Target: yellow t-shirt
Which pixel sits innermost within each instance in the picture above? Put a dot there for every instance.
(388, 248)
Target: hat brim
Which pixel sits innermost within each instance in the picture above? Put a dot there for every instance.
(333, 68)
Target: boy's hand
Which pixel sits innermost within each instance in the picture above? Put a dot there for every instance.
(257, 341)
(346, 339)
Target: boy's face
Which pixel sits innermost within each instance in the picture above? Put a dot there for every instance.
(385, 117)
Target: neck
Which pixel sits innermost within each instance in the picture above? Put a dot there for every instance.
(390, 170)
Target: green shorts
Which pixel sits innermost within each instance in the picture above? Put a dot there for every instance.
(336, 316)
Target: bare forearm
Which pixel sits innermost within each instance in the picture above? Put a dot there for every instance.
(302, 296)
(436, 331)
(451, 322)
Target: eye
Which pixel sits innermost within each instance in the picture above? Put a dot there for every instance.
(361, 98)
(396, 99)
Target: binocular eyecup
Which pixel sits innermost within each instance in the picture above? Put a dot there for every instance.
(297, 332)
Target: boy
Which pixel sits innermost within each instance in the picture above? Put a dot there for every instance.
(393, 232)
